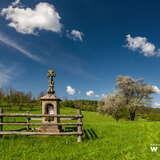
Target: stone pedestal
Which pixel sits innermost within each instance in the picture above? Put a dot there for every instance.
(49, 128)
(50, 105)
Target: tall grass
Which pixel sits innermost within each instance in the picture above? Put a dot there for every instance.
(105, 139)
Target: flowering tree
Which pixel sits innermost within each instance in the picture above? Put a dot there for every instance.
(135, 91)
(130, 93)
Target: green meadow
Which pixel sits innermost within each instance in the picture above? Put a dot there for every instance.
(105, 139)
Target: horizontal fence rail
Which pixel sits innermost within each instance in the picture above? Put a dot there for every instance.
(40, 115)
(28, 124)
(36, 124)
(39, 133)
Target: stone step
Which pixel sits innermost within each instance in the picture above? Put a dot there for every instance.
(49, 128)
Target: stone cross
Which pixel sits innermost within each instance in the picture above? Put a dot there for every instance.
(51, 74)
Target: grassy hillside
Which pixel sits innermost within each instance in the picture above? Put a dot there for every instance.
(106, 140)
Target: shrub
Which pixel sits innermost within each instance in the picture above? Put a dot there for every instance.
(153, 117)
(88, 105)
(114, 105)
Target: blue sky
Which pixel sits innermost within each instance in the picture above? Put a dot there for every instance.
(84, 41)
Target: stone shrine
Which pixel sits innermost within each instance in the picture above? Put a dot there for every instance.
(50, 106)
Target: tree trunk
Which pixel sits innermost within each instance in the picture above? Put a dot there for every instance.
(132, 115)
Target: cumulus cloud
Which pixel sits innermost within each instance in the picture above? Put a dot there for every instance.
(15, 2)
(27, 20)
(97, 96)
(7, 41)
(90, 93)
(156, 89)
(103, 95)
(43, 16)
(75, 35)
(156, 105)
(5, 75)
(142, 45)
(71, 91)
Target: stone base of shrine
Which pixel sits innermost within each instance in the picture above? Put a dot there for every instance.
(49, 128)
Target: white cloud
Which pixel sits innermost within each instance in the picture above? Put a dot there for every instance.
(71, 91)
(5, 75)
(43, 16)
(76, 35)
(16, 2)
(156, 89)
(103, 95)
(97, 96)
(90, 93)
(27, 20)
(156, 105)
(5, 40)
(142, 45)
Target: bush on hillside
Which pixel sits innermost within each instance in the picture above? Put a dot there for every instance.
(114, 105)
(153, 117)
(87, 105)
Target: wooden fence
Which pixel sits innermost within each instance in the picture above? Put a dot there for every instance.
(78, 124)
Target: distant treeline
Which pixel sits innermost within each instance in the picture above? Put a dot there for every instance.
(149, 113)
(11, 99)
(87, 105)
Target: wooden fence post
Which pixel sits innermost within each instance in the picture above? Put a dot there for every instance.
(1, 121)
(28, 124)
(28, 121)
(79, 126)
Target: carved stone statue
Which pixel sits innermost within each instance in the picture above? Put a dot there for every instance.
(51, 74)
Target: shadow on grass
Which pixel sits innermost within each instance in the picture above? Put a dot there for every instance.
(90, 134)
(69, 129)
